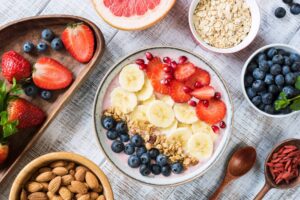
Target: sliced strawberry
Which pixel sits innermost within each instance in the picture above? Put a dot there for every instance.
(213, 113)
(177, 92)
(200, 76)
(79, 39)
(3, 152)
(204, 93)
(184, 71)
(49, 74)
(153, 64)
(156, 73)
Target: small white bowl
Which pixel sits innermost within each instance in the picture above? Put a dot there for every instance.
(255, 14)
(278, 46)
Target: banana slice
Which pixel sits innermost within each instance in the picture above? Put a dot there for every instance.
(167, 131)
(160, 114)
(146, 91)
(167, 99)
(131, 78)
(181, 135)
(185, 113)
(200, 146)
(139, 113)
(149, 100)
(123, 100)
(202, 127)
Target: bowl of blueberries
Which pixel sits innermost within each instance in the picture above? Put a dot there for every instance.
(271, 80)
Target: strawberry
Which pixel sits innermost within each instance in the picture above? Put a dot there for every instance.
(177, 92)
(204, 93)
(49, 74)
(201, 76)
(184, 71)
(3, 152)
(15, 66)
(79, 40)
(27, 114)
(156, 73)
(213, 113)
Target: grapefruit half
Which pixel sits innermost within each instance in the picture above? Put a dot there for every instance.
(132, 14)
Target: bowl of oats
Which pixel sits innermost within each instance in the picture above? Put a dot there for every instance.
(224, 26)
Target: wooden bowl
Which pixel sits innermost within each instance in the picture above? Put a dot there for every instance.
(44, 160)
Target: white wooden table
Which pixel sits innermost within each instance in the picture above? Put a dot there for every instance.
(72, 129)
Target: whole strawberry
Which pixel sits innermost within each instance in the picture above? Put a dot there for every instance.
(15, 66)
(3, 152)
(27, 114)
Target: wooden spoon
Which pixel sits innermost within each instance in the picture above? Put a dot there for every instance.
(239, 164)
(269, 183)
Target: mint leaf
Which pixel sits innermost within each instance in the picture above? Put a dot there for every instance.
(295, 105)
(297, 84)
(281, 104)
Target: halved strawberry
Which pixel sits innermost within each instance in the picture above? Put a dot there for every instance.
(4, 149)
(177, 92)
(155, 73)
(153, 64)
(204, 93)
(184, 71)
(200, 76)
(79, 39)
(213, 113)
(49, 74)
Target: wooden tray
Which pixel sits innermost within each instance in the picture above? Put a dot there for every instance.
(12, 37)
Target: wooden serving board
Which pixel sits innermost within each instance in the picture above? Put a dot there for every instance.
(12, 37)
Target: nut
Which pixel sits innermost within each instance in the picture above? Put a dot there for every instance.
(44, 169)
(71, 165)
(67, 179)
(79, 187)
(84, 197)
(101, 197)
(54, 184)
(56, 197)
(38, 196)
(45, 177)
(34, 187)
(80, 174)
(94, 195)
(59, 163)
(91, 180)
(65, 193)
(60, 171)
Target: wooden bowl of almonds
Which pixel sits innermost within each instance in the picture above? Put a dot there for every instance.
(61, 176)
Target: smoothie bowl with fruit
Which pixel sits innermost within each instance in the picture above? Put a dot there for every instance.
(163, 116)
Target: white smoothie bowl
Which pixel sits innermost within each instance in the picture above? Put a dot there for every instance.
(120, 160)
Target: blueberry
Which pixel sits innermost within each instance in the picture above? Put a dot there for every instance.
(273, 89)
(129, 149)
(134, 161)
(155, 169)
(290, 79)
(280, 12)
(289, 91)
(117, 146)
(112, 134)
(296, 67)
(263, 65)
(295, 57)
(177, 168)
(144, 170)
(57, 44)
(108, 122)
(251, 67)
(278, 59)
(286, 70)
(137, 140)
(42, 47)
(47, 34)
(153, 153)
(251, 92)
(248, 80)
(258, 74)
(286, 110)
(269, 79)
(121, 127)
(275, 69)
(283, 52)
(140, 151)
(258, 86)
(261, 56)
(270, 63)
(166, 170)
(287, 60)
(269, 109)
(261, 106)
(287, 1)
(295, 9)
(28, 47)
(267, 98)
(145, 158)
(256, 100)
(124, 137)
(31, 90)
(161, 160)
(271, 52)
(279, 79)
(46, 94)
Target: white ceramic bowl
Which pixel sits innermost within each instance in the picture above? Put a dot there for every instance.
(255, 14)
(279, 46)
(120, 160)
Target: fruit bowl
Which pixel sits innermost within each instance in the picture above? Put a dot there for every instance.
(120, 160)
(284, 47)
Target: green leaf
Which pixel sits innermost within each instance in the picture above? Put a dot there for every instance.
(297, 84)
(295, 105)
(282, 96)
(3, 118)
(16, 88)
(281, 104)
(9, 128)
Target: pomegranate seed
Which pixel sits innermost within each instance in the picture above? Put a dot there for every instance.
(143, 66)
(169, 76)
(167, 60)
(149, 56)
(182, 59)
(198, 84)
(205, 103)
(186, 89)
(192, 103)
(222, 124)
(140, 61)
(168, 69)
(165, 81)
(218, 95)
(215, 129)
(173, 64)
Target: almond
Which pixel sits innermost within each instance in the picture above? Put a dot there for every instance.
(84, 197)
(80, 174)
(60, 171)
(50, 195)
(34, 187)
(65, 193)
(79, 187)
(101, 197)
(67, 179)
(45, 186)
(71, 165)
(91, 180)
(38, 196)
(72, 172)
(98, 189)
(44, 177)
(94, 195)
(54, 184)
(56, 197)
(71, 188)
(23, 195)
(59, 163)
(44, 169)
